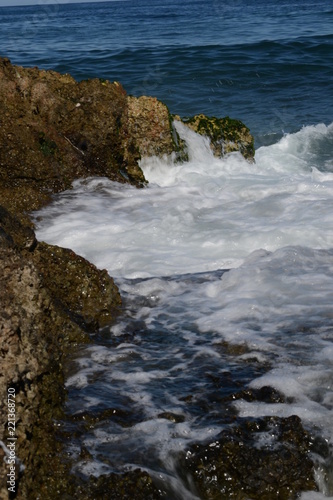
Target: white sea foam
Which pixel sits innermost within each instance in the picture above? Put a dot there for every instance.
(202, 215)
(270, 222)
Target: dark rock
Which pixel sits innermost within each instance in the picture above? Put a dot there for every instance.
(125, 418)
(173, 417)
(88, 294)
(131, 485)
(22, 236)
(265, 394)
(261, 459)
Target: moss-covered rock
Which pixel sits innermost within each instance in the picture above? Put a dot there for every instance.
(226, 134)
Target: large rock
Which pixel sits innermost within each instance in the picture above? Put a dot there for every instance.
(86, 294)
(31, 331)
(54, 130)
(50, 298)
(149, 125)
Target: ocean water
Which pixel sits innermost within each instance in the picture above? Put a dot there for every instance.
(225, 267)
(266, 62)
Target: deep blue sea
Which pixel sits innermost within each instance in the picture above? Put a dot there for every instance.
(266, 62)
(214, 252)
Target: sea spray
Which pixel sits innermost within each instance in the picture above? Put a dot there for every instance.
(205, 214)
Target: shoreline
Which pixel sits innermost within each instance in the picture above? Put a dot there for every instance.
(55, 130)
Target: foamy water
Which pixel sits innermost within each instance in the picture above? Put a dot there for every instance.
(204, 215)
(271, 225)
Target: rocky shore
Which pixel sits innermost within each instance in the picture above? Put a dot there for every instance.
(54, 130)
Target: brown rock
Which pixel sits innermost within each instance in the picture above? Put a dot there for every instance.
(49, 298)
(54, 130)
(88, 294)
(149, 125)
(31, 332)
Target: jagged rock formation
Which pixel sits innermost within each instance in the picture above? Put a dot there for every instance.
(50, 298)
(54, 130)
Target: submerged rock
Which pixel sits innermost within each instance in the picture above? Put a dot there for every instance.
(261, 459)
(131, 485)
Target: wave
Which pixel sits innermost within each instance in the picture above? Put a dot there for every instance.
(202, 215)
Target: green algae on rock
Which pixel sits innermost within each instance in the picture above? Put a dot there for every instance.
(226, 134)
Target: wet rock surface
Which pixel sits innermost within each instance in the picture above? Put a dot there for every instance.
(39, 321)
(136, 485)
(88, 294)
(226, 135)
(262, 459)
